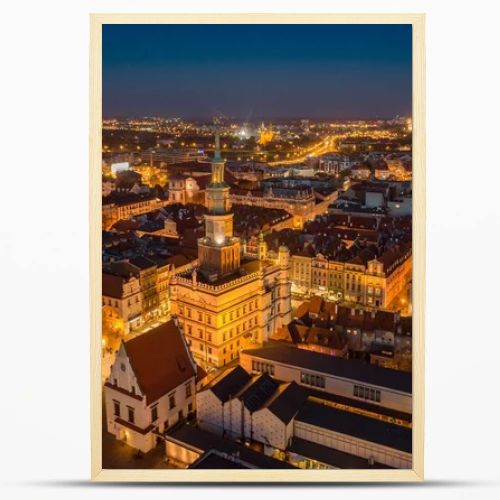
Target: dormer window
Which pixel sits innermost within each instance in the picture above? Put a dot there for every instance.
(122, 367)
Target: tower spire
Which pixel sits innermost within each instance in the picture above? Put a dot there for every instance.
(217, 155)
(217, 161)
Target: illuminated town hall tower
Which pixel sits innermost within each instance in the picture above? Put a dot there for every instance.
(218, 251)
(230, 301)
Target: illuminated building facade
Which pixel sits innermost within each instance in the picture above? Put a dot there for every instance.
(301, 204)
(121, 295)
(265, 134)
(376, 283)
(151, 386)
(183, 189)
(135, 291)
(231, 300)
(125, 207)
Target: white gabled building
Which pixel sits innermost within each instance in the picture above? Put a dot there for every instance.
(213, 403)
(273, 423)
(151, 386)
(257, 408)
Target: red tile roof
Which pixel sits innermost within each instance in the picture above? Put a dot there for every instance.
(112, 286)
(394, 256)
(160, 360)
(367, 320)
(315, 305)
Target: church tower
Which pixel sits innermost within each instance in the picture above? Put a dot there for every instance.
(218, 250)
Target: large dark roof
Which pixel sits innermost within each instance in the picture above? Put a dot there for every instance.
(205, 441)
(142, 262)
(123, 269)
(330, 456)
(260, 392)
(160, 360)
(352, 424)
(288, 402)
(257, 393)
(337, 367)
(230, 384)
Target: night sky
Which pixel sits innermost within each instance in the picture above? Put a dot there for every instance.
(257, 71)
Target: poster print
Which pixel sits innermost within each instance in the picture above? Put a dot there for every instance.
(258, 309)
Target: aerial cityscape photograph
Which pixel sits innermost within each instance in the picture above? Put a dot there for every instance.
(257, 246)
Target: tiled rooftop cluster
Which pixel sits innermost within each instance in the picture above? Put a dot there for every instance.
(187, 218)
(338, 329)
(250, 220)
(127, 245)
(327, 234)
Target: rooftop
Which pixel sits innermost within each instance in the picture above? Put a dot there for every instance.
(337, 367)
(258, 392)
(287, 401)
(229, 384)
(204, 441)
(330, 456)
(359, 404)
(352, 424)
(160, 360)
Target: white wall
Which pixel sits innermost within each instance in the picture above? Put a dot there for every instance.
(352, 445)
(179, 453)
(209, 411)
(126, 380)
(334, 385)
(269, 429)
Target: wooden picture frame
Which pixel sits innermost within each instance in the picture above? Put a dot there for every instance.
(258, 476)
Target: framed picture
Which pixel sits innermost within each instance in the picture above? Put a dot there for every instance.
(257, 242)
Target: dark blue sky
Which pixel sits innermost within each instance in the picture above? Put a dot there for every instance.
(257, 71)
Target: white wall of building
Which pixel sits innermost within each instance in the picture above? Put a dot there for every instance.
(122, 379)
(389, 398)
(209, 411)
(270, 430)
(352, 445)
